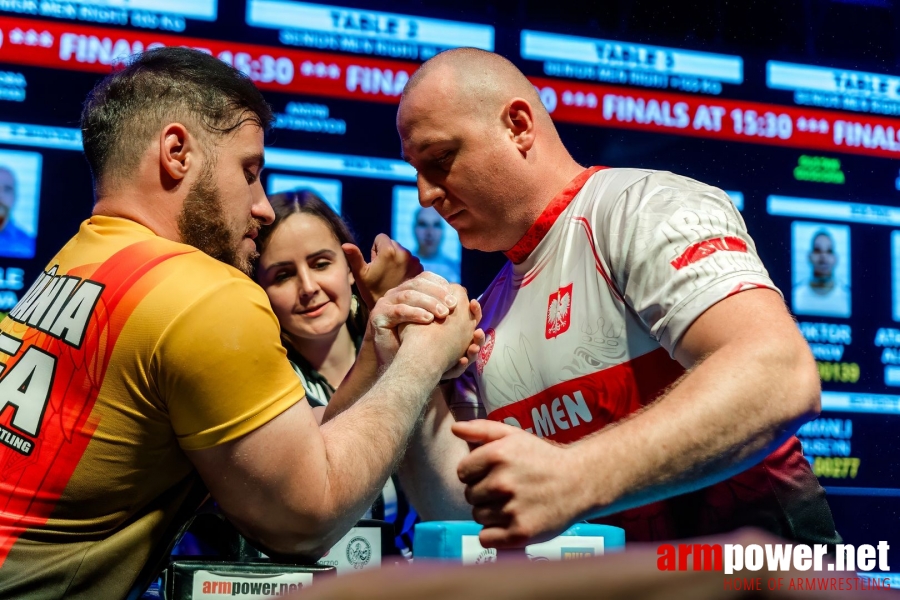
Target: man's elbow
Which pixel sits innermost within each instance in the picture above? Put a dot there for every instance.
(300, 538)
(320, 533)
(802, 386)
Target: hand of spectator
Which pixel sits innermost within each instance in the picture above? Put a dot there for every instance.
(522, 489)
(390, 265)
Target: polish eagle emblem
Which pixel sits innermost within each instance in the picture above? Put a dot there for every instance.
(559, 306)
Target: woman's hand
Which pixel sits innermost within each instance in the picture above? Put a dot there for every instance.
(391, 264)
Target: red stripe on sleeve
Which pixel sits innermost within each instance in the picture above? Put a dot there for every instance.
(701, 250)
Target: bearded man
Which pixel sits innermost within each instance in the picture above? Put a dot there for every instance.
(144, 362)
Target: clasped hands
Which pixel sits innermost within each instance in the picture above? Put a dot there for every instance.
(522, 489)
(416, 308)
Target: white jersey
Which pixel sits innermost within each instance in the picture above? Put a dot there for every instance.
(582, 323)
(601, 299)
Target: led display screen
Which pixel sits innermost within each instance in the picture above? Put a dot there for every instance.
(807, 152)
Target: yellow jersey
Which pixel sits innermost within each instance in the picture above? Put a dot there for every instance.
(128, 349)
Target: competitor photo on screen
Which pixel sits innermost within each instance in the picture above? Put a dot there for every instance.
(424, 232)
(821, 269)
(20, 178)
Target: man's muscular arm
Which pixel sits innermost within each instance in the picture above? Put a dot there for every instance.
(296, 487)
(428, 469)
(752, 382)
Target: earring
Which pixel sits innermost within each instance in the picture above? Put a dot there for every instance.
(354, 306)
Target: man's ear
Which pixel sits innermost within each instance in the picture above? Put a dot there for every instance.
(178, 151)
(519, 118)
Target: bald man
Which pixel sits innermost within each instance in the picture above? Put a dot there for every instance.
(14, 243)
(640, 367)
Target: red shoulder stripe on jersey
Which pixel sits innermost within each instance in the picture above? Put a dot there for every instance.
(30, 487)
(743, 286)
(551, 213)
(701, 250)
(599, 264)
(568, 411)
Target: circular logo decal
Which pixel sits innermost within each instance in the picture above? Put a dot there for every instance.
(359, 552)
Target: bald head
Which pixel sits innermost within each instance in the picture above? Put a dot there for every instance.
(480, 81)
(486, 151)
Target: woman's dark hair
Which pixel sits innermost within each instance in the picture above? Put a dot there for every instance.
(307, 202)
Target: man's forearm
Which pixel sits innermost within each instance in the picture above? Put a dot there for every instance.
(358, 381)
(726, 415)
(363, 444)
(345, 464)
(428, 469)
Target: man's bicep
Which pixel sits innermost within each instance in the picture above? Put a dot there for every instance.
(270, 482)
(222, 378)
(754, 316)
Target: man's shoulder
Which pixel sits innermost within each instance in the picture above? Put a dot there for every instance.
(121, 255)
(189, 268)
(619, 194)
(189, 276)
(616, 181)
(613, 180)
(609, 187)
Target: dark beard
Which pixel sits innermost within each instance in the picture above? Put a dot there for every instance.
(202, 225)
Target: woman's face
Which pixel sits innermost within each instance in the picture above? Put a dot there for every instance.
(306, 276)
